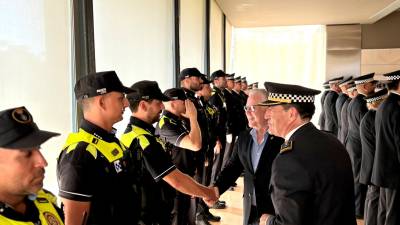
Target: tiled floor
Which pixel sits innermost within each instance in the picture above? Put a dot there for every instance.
(232, 214)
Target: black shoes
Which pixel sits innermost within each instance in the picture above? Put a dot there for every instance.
(219, 205)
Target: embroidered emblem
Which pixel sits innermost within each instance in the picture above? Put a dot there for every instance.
(51, 219)
(287, 146)
(117, 166)
(21, 115)
(114, 152)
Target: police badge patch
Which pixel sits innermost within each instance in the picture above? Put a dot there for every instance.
(51, 219)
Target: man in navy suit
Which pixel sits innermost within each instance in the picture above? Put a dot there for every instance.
(253, 152)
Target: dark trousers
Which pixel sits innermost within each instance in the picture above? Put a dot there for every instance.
(218, 158)
(180, 213)
(228, 150)
(389, 205)
(371, 205)
(360, 191)
(254, 218)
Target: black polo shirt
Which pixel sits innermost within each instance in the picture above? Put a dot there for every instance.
(83, 177)
(172, 130)
(155, 157)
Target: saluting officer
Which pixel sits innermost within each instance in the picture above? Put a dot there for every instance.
(185, 139)
(344, 122)
(331, 121)
(367, 134)
(150, 159)
(90, 168)
(321, 120)
(343, 96)
(356, 110)
(385, 172)
(311, 180)
(22, 199)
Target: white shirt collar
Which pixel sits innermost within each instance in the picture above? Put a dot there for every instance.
(288, 135)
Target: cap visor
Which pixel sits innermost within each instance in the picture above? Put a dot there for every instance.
(127, 90)
(34, 139)
(163, 98)
(270, 103)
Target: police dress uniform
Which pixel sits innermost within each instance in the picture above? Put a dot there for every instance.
(311, 180)
(331, 121)
(342, 136)
(151, 162)
(42, 210)
(355, 112)
(172, 130)
(385, 172)
(321, 119)
(90, 168)
(339, 103)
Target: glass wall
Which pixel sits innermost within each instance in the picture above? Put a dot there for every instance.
(35, 68)
(216, 41)
(134, 38)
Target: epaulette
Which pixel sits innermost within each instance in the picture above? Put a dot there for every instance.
(286, 147)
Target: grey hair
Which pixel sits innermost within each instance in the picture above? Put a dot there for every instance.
(259, 91)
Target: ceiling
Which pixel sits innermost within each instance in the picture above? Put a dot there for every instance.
(259, 13)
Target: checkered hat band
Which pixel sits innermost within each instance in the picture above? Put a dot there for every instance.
(289, 98)
(363, 81)
(393, 77)
(369, 100)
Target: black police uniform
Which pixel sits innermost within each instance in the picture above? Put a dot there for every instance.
(90, 168)
(218, 100)
(42, 210)
(321, 119)
(172, 130)
(244, 97)
(151, 162)
(338, 106)
(257, 180)
(385, 172)
(311, 180)
(367, 134)
(344, 123)
(331, 121)
(355, 112)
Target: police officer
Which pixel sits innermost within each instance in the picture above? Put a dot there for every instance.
(150, 156)
(331, 121)
(367, 134)
(321, 120)
(385, 172)
(356, 110)
(218, 100)
(244, 91)
(311, 180)
(90, 168)
(185, 139)
(343, 96)
(344, 122)
(22, 199)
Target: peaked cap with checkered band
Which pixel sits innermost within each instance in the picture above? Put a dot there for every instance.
(364, 79)
(376, 96)
(288, 94)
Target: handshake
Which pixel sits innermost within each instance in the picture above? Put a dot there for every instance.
(211, 196)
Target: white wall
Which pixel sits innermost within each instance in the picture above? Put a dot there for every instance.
(216, 42)
(134, 38)
(192, 28)
(35, 68)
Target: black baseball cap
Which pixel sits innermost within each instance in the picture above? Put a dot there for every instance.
(218, 73)
(18, 131)
(205, 80)
(190, 72)
(175, 94)
(99, 83)
(146, 90)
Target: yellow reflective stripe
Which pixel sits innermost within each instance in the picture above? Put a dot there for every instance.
(161, 122)
(112, 151)
(138, 133)
(47, 213)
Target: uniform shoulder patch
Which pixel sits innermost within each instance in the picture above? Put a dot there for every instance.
(286, 147)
